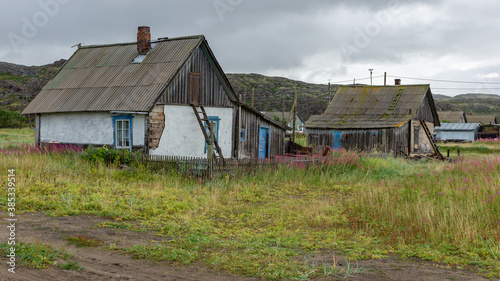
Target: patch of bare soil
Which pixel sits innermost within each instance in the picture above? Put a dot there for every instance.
(100, 264)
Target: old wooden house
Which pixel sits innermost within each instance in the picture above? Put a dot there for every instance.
(167, 96)
(382, 119)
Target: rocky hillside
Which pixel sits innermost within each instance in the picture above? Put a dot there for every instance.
(313, 98)
(19, 84)
(480, 104)
(269, 93)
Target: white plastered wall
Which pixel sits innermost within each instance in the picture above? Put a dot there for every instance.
(86, 128)
(183, 136)
(424, 145)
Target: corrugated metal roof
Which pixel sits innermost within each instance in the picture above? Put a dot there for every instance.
(102, 78)
(457, 127)
(371, 107)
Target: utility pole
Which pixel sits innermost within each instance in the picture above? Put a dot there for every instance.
(253, 95)
(385, 78)
(371, 71)
(329, 93)
(283, 111)
(294, 112)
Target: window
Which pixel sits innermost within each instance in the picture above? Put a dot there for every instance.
(243, 134)
(214, 120)
(122, 131)
(416, 132)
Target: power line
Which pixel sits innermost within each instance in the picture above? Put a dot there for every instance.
(357, 79)
(449, 81)
(465, 89)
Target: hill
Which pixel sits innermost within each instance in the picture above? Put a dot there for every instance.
(313, 98)
(269, 93)
(20, 84)
(480, 104)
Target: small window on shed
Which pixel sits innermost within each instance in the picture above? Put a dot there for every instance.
(243, 135)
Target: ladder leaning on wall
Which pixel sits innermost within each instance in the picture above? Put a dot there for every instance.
(201, 116)
(431, 139)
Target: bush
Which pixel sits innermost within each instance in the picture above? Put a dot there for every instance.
(10, 119)
(107, 155)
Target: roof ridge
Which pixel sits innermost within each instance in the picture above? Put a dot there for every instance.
(373, 86)
(152, 41)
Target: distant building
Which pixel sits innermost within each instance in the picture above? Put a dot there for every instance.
(277, 115)
(381, 118)
(452, 117)
(457, 131)
(483, 119)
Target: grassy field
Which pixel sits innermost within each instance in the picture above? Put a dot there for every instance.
(16, 136)
(269, 225)
(478, 147)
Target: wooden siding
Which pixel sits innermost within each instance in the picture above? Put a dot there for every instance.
(424, 111)
(389, 140)
(212, 91)
(249, 148)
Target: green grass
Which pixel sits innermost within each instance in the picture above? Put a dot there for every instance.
(81, 241)
(474, 148)
(16, 136)
(266, 225)
(39, 256)
(8, 76)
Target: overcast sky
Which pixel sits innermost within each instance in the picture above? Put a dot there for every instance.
(313, 41)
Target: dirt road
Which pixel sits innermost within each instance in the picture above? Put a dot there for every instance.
(101, 264)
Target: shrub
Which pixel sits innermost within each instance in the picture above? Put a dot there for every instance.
(10, 119)
(107, 155)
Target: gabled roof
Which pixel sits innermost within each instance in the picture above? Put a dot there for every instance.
(483, 119)
(452, 116)
(457, 127)
(103, 77)
(364, 107)
(258, 113)
(288, 114)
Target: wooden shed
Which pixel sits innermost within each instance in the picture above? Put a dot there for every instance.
(381, 119)
(457, 132)
(165, 96)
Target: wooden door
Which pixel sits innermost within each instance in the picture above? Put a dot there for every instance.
(264, 142)
(195, 88)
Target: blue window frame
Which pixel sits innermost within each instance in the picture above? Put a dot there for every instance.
(215, 120)
(243, 134)
(122, 131)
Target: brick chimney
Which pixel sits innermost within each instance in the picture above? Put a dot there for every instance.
(397, 82)
(143, 40)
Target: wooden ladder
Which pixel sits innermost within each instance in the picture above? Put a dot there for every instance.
(431, 139)
(201, 115)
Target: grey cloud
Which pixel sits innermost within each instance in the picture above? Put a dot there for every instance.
(274, 35)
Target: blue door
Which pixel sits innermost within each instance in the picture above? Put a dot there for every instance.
(337, 143)
(263, 142)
